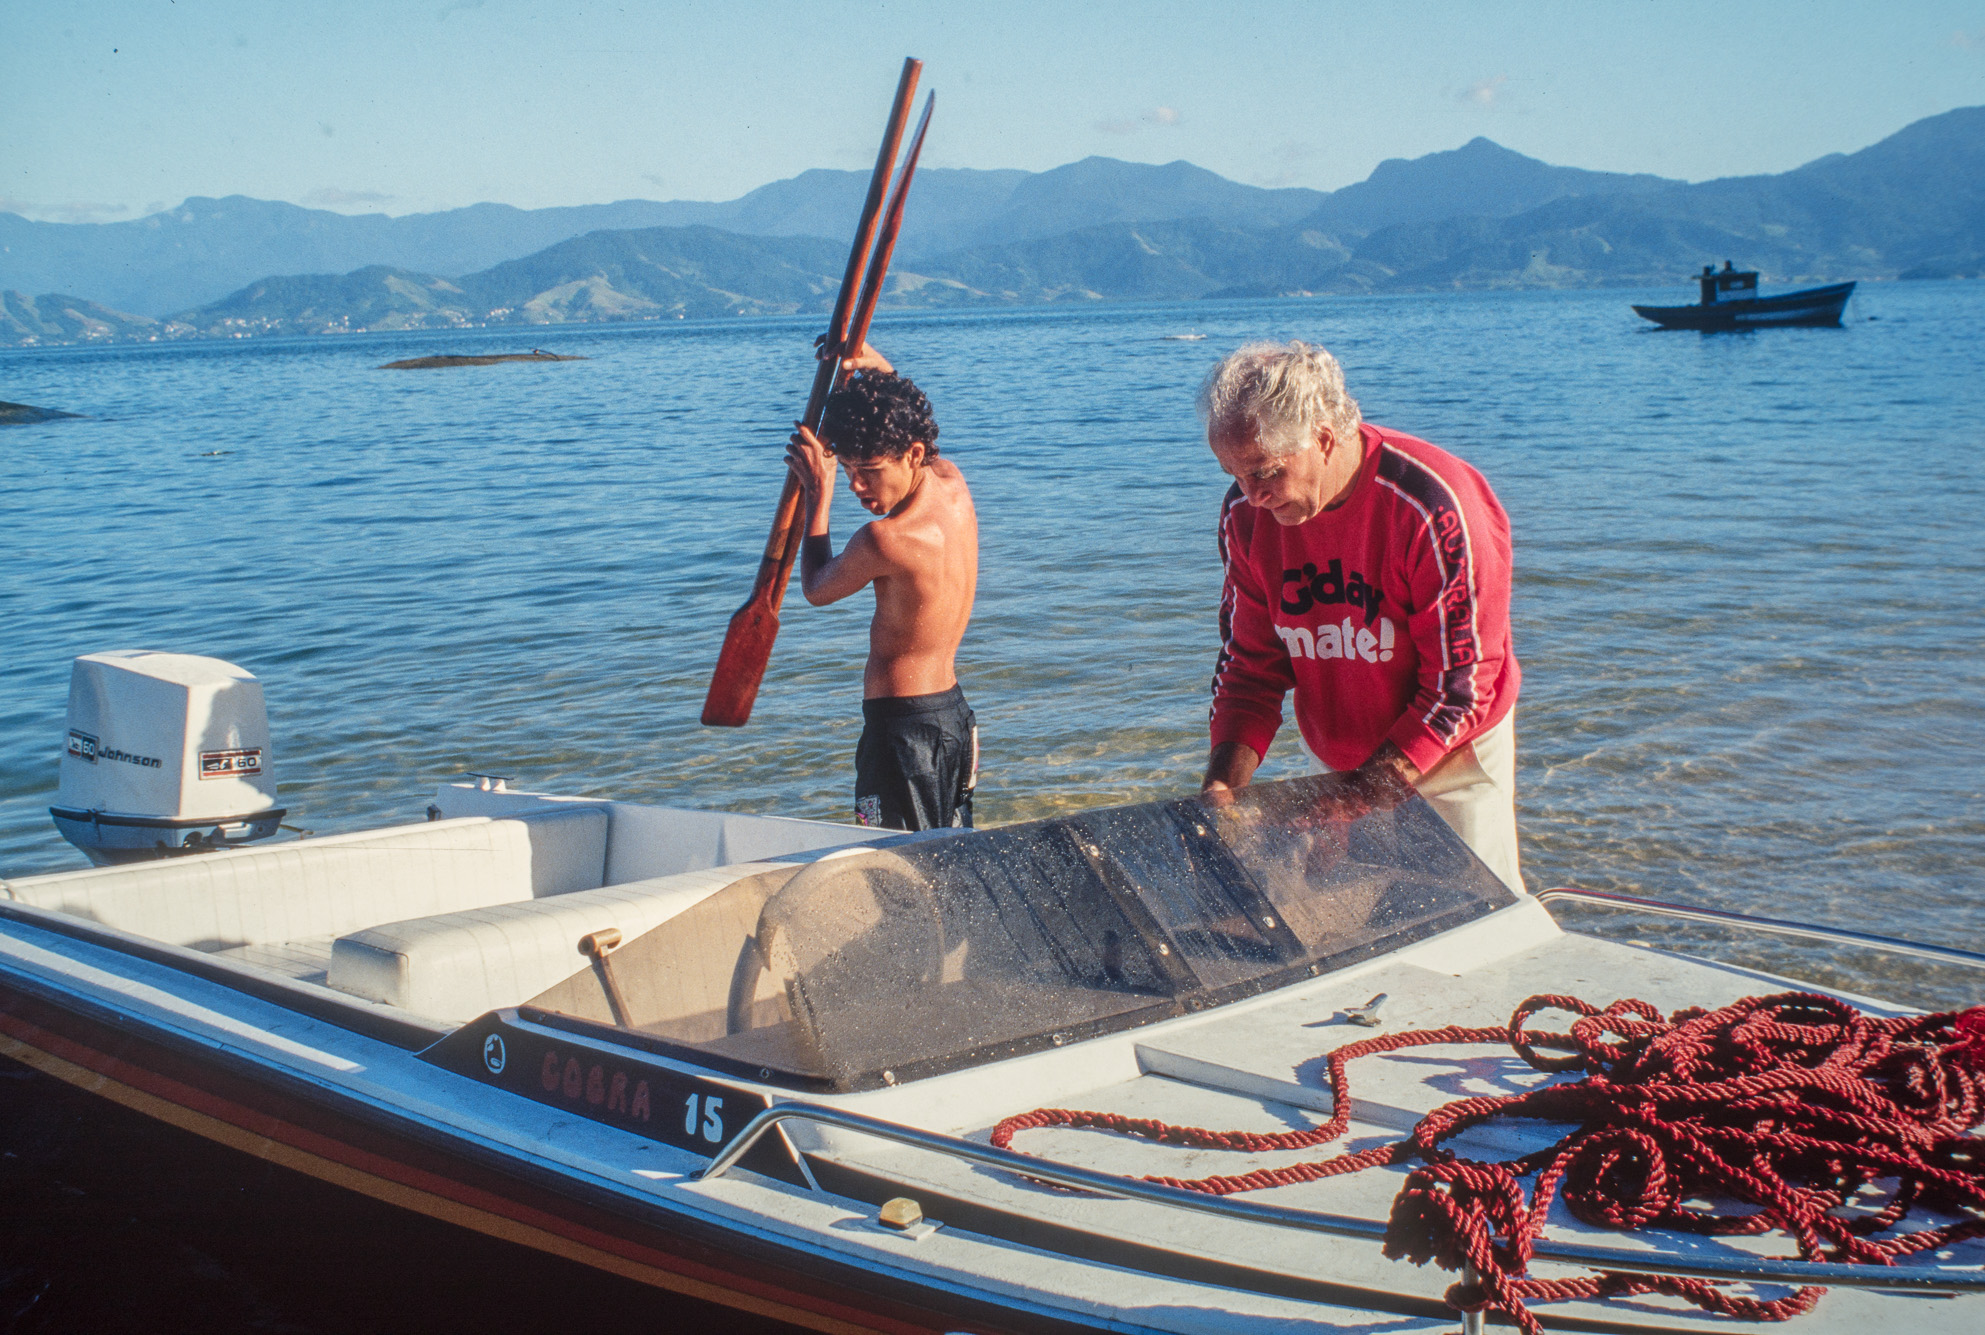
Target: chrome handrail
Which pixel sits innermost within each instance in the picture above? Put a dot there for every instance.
(1754, 1270)
(1839, 936)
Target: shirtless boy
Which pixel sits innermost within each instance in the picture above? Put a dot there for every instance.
(918, 759)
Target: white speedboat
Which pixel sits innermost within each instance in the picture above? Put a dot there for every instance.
(762, 1061)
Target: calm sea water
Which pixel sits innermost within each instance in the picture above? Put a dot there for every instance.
(1748, 597)
(1748, 602)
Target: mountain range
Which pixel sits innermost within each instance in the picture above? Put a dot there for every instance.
(1478, 216)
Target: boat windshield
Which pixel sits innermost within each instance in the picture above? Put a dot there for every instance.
(886, 964)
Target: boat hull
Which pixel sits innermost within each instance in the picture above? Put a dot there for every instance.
(1815, 306)
(369, 1150)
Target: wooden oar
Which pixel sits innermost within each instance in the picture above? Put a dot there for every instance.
(754, 626)
(885, 247)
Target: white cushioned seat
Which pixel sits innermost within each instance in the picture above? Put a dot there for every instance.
(456, 966)
(568, 848)
(306, 893)
(306, 961)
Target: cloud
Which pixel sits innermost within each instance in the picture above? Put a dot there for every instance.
(333, 198)
(1968, 41)
(1159, 115)
(1484, 94)
(658, 181)
(1292, 155)
(74, 212)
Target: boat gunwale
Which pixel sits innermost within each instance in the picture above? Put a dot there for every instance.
(400, 1028)
(689, 1227)
(1753, 1270)
(1774, 926)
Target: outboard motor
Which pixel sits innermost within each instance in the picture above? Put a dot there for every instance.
(167, 754)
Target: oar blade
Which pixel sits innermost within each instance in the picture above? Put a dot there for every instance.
(741, 665)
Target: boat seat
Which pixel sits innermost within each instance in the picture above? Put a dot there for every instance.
(306, 961)
(296, 895)
(456, 966)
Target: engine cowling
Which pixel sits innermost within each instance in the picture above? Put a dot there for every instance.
(165, 754)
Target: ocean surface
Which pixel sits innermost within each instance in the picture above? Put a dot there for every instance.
(1749, 602)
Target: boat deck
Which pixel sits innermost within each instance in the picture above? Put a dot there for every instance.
(1263, 1070)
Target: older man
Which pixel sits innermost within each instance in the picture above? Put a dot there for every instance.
(1369, 572)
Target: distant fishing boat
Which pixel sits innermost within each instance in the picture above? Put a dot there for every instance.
(1718, 309)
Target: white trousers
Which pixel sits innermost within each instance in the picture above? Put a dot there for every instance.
(1474, 790)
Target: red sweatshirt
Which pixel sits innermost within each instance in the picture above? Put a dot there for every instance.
(1389, 615)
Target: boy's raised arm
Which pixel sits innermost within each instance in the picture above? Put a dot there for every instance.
(827, 578)
(824, 577)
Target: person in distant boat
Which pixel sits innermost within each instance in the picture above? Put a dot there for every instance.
(1369, 572)
(918, 760)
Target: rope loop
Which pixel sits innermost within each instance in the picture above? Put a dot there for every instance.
(1787, 1107)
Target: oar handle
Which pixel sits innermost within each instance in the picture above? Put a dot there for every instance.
(892, 228)
(871, 217)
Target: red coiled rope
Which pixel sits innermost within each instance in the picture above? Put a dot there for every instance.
(1790, 1104)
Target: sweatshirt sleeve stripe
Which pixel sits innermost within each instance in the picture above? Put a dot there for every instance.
(1252, 675)
(1444, 527)
(1226, 656)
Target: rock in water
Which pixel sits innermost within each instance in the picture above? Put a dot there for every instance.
(21, 414)
(431, 363)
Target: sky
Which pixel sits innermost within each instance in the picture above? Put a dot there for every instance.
(114, 109)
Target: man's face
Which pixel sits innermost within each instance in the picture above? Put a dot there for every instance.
(1289, 486)
(882, 484)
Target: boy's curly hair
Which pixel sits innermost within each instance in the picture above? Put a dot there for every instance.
(878, 415)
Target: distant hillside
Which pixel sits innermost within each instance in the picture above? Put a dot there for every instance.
(206, 248)
(655, 273)
(1099, 230)
(54, 318)
(1125, 262)
(1911, 205)
(1481, 179)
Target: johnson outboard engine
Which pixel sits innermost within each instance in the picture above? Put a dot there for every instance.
(167, 754)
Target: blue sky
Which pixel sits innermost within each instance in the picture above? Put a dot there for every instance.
(117, 108)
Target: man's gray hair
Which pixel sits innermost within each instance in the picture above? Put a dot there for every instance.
(1284, 391)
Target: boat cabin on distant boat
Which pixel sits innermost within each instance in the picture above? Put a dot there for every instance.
(1715, 284)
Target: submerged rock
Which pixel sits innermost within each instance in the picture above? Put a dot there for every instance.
(21, 414)
(431, 363)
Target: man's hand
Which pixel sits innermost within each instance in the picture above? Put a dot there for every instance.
(813, 465)
(1231, 766)
(1388, 767)
(1384, 781)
